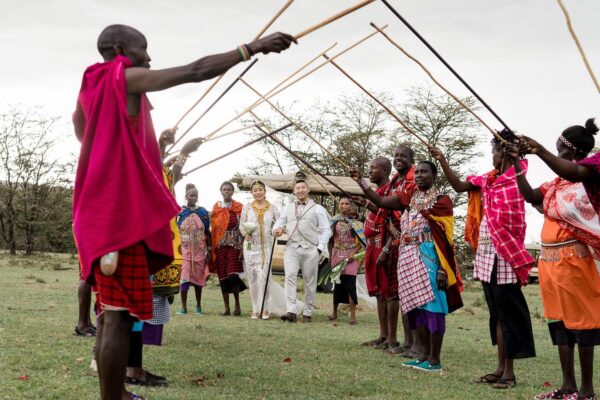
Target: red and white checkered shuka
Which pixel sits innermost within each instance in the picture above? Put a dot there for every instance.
(485, 257)
(505, 213)
(414, 287)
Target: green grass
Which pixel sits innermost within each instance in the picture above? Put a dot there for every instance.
(210, 356)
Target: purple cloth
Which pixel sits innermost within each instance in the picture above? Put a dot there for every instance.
(434, 322)
(152, 334)
(185, 286)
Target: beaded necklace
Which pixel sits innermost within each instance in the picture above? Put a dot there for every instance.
(260, 216)
(420, 201)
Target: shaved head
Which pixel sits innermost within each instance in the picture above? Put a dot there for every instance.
(384, 163)
(122, 40)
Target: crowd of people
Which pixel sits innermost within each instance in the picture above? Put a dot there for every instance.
(407, 235)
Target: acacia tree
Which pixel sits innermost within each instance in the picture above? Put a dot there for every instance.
(33, 179)
(356, 129)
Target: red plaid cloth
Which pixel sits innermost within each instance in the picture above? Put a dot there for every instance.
(485, 258)
(371, 269)
(129, 288)
(413, 282)
(505, 213)
(390, 271)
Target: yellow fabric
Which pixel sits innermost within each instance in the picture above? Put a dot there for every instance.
(447, 224)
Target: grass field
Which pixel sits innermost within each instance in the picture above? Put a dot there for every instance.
(211, 356)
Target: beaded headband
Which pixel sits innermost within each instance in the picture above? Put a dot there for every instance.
(257, 183)
(567, 143)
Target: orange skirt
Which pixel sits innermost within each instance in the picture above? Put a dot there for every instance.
(569, 281)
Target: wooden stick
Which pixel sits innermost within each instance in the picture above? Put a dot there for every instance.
(238, 148)
(579, 47)
(458, 100)
(430, 47)
(333, 18)
(227, 89)
(303, 161)
(271, 93)
(268, 25)
(298, 126)
(259, 101)
(214, 83)
(386, 108)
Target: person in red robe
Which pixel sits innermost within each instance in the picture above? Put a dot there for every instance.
(119, 178)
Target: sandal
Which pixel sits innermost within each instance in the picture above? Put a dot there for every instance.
(488, 379)
(331, 318)
(410, 354)
(89, 331)
(353, 322)
(555, 394)
(505, 383)
(374, 342)
(395, 350)
(135, 396)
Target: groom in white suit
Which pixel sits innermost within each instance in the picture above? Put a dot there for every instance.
(307, 226)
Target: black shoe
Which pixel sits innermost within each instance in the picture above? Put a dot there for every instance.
(290, 317)
(306, 319)
(151, 380)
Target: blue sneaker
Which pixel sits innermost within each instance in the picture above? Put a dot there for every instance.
(181, 312)
(411, 363)
(425, 366)
(198, 310)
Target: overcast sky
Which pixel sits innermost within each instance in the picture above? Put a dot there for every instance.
(517, 54)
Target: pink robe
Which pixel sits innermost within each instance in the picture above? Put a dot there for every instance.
(119, 198)
(194, 250)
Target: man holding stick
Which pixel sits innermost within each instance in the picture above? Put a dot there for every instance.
(119, 176)
(307, 226)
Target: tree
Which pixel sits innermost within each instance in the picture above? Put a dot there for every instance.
(34, 181)
(356, 129)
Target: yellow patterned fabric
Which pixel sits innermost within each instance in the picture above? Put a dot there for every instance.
(166, 281)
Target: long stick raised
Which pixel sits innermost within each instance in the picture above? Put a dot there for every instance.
(386, 108)
(333, 18)
(303, 161)
(227, 89)
(458, 100)
(579, 47)
(238, 148)
(298, 126)
(430, 47)
(214, 83)
(278, 89)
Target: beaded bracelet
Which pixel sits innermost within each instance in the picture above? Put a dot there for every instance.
(245, 52)
(521, 172)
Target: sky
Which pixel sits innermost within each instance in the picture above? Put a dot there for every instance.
(517, 54)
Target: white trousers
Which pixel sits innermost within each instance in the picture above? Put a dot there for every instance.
(257, 278)
(307, 260)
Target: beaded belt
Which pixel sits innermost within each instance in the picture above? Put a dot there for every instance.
(552, 251)
(485, 241)
(420, 238)
(375, 240)
(344, 246)
(231, 238)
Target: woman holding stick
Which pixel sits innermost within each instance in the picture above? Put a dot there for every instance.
(569, 280)
(256, 222)
(227, 247)
(495, 228)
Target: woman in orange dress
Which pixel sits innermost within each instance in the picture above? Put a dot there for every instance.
(569, 279)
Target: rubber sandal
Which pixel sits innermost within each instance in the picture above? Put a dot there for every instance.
(555, 394)
(353, 322)
(135, 396)
(486, 380)
(410, 354)
(395, 350)
(331, 318)
(505, 383)
(374, 342)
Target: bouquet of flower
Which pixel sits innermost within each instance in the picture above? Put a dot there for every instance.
(248, 228)
(334, 273)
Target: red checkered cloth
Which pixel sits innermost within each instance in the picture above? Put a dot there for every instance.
(389, 290)
(371, 253)
(485, 258)
(401, 187)
(413, 282)
(129, 288)
(505, 213)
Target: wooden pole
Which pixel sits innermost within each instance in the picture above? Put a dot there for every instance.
(430, 47)
(231, 85)
(579, 47)
(333, 18)
(238, 148)
(259, 101)
(298, 126)
(386, 108)
(214, 83)
(271, 93)
(458, 100)
(303, 161)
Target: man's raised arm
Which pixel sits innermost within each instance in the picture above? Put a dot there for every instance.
(141, 80)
